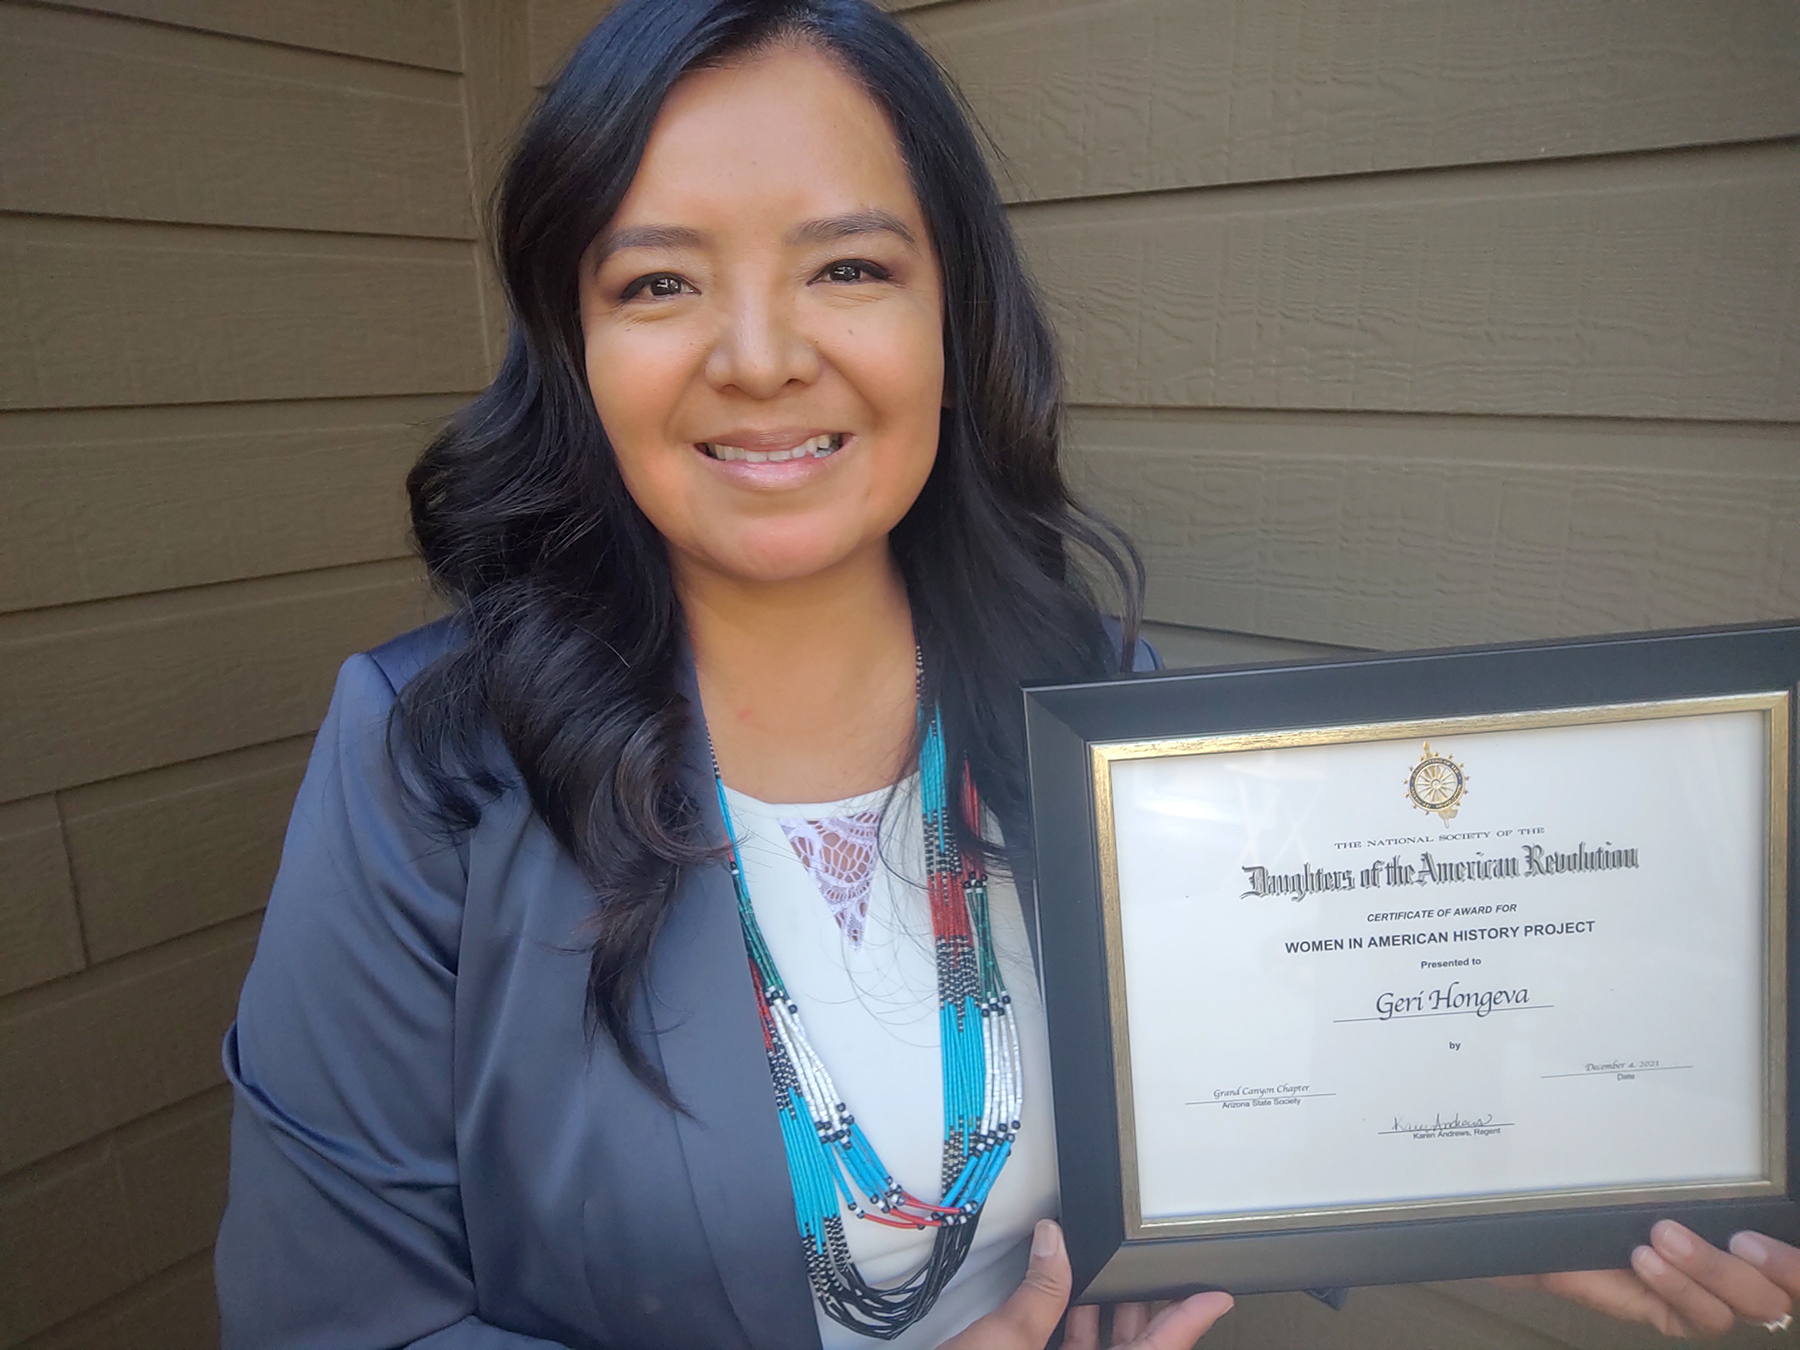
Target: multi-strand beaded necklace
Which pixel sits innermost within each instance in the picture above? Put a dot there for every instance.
(829, 1158)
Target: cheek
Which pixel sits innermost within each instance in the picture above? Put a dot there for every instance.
(637, 380)
(898, 368)
(914, 352)
(919, 411)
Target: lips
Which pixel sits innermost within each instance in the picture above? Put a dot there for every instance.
(814, 447)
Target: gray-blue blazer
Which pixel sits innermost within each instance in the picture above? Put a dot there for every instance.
(427, 1148)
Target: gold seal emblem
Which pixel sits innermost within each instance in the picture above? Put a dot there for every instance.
(1436, 784)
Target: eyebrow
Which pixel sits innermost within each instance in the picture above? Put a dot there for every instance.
(832, 228)
(826, 230)
(648, 236)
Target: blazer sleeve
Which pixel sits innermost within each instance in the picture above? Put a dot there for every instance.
(343, 1230)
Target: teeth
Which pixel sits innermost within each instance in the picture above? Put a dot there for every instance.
(818, 447)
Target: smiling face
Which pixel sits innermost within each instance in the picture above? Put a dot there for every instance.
(763, 319)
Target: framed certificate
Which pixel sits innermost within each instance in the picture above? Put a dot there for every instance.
(1419, 966)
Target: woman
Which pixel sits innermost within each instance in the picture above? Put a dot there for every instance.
(752, 539)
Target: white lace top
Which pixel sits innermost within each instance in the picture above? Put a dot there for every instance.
(845, 916)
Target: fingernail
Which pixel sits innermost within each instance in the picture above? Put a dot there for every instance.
(1046, 1239)
(1646, 1260)
(1752, 1247)
(1674, 1238)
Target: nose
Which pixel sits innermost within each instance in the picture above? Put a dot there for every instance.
(760, 351)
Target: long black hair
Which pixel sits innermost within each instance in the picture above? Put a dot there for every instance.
(571, 630)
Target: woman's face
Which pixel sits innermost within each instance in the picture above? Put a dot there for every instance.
(764, 323)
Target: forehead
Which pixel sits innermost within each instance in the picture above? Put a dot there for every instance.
(783, 135)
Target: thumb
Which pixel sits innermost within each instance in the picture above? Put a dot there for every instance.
(1037, 1305)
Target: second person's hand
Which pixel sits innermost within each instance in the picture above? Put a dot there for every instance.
(1028, 1319)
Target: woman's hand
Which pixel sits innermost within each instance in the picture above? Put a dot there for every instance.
(1028, 1319)
(1684, 1286)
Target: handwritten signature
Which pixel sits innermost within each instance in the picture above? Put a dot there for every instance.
(1456, 1122)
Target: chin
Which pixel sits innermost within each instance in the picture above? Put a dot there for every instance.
(786, 559)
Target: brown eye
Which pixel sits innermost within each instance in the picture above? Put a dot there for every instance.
(657, 286)
(853, 271)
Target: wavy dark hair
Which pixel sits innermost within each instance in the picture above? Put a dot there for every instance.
(572, 631)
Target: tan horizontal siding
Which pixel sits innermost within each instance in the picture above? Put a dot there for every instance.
(1085, 99)
(555, 27)
(1183, 646)
(98, 691)
(94, 1051)
(1643, 286)
(175, 850)
(103, 117)
(86, 1226)
(121, 501)
(406, 32)
(40, 933)
(497, 93)
(174, 1308)
(1398, 1318)
(142, 314)
(1387, 531)
(239, 290)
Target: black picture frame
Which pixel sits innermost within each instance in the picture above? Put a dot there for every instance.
(1064, 722)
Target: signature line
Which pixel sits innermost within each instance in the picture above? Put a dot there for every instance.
(1283, 1095)
(1593, 1073)
(1439, 1129)
(1449, 1012)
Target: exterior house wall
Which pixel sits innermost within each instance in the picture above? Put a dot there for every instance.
(1404, 323)
(239, 283)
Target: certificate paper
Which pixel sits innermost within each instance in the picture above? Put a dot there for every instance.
(1524, 959)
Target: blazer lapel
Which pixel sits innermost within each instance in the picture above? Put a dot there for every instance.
(709, 1035)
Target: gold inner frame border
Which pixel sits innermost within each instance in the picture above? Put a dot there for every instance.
(1776, 707)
